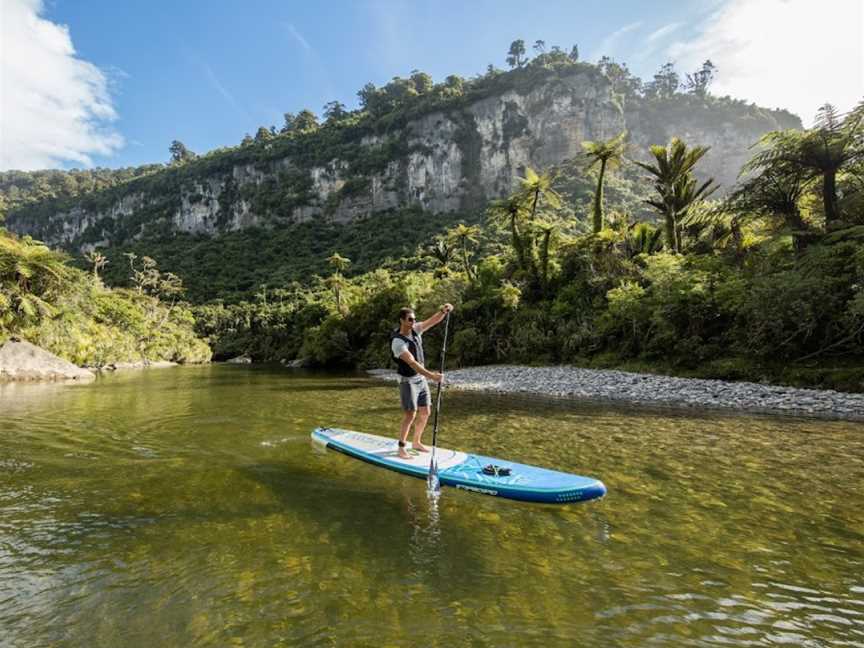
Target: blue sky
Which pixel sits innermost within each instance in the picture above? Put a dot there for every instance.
(206, 73)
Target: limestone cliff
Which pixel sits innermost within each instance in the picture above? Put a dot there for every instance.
(455, 158)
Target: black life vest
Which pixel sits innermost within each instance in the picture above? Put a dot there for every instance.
(415, 346)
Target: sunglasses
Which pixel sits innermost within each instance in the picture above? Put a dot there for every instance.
(411, 319)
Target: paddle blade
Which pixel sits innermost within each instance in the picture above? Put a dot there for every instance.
(433, 484)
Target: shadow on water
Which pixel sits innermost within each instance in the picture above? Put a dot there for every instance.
(382, 522)
(385, 525)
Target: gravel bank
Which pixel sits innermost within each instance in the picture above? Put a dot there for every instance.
(604, 384)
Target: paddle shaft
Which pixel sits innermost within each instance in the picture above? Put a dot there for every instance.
(438, 395)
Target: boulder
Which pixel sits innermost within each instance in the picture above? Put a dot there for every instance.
(242, 359)
(20, 360)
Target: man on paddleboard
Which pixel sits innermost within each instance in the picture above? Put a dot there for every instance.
(406, 345)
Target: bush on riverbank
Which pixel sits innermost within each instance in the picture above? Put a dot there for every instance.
(72, 314)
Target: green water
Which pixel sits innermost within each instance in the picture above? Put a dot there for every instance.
(187, 507)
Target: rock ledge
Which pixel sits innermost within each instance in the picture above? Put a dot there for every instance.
(22, 361)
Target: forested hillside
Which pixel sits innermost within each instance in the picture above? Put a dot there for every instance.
(613, 253)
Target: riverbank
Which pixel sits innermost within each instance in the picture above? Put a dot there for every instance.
(651, 389)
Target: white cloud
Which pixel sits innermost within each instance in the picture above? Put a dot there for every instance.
(794, 54)
(54, 107)
(608, 45)
(297, 36)
(214, 81)
(663, 31)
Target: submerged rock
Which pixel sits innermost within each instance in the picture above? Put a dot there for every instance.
(241, 359)
(20, 360)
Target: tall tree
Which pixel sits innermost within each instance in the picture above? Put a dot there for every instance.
(288, 125)
(97, 260)
(442, 251)
(464, 237)
(336, 281)
(422, 82)
(665, 84)
(334, 111)
(368, 96)
(179, 152)
(607, 155)
(540, 46)
(454, 85)
(305, 121)
(770, 192)
(516, 54)
(835, 144)
(263, 134)
(698, 82)
(623, 82)
(574, 53)
(675, 184)
(537, 194)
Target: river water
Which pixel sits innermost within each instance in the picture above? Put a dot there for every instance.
(187, 507)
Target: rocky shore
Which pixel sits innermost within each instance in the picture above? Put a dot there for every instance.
(650, 389)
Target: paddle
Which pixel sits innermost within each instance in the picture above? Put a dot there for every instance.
(432, 482)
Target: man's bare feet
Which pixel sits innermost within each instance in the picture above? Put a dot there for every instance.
(419, 447)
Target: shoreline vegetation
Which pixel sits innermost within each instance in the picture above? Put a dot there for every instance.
(642, 389)
(765, 283)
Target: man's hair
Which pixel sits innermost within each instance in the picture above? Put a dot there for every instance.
(405, 312)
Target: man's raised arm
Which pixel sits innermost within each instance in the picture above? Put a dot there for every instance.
(428, 323)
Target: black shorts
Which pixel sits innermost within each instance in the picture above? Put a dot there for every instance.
(414, 393)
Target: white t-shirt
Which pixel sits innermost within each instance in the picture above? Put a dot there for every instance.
(399, 345)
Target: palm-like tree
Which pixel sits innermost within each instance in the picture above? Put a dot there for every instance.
(441, 251)
(642, 238)
(339, 262)
(29, 273)
(676, 185)
(336, 281)
(774, 192)
(608, 155)
(836, 143)
(511, 213)
(525, 214)
(464, 236)
(537, 190)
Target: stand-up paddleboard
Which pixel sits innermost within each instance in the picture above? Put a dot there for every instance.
(465, 471)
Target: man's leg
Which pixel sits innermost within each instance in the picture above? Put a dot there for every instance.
(407, 420)
(419, 426)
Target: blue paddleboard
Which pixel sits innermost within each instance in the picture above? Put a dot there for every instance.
(465, 471)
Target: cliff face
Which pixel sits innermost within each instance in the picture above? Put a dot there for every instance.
(444, 161)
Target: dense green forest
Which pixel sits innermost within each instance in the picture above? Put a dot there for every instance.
(607, 260)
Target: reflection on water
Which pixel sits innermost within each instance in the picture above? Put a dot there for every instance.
(187, 507)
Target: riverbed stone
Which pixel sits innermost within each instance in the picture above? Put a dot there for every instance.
(650, 389)
(22, 361)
